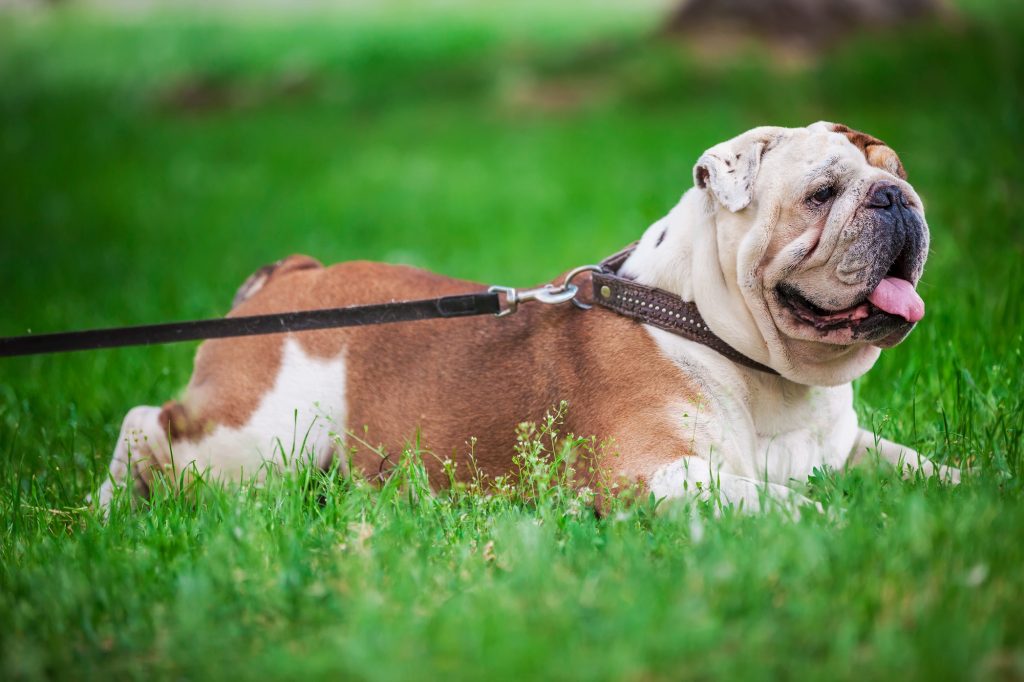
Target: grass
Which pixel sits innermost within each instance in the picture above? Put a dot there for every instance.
(149, 165)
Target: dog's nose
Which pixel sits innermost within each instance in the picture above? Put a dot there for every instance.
(885, 195)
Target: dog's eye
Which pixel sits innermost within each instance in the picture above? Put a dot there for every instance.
(823, 194)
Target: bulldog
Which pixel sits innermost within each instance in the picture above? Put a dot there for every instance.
(801, 249)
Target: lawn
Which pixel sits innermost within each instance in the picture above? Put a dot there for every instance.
(150, 162)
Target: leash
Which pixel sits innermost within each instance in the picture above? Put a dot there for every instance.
(276, 323)
(445, 307)
(645, 304)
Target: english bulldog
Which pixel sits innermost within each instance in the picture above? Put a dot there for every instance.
(800, 247)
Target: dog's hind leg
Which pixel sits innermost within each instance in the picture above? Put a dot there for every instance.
(141, 446)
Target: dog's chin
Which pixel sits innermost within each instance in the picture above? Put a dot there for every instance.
(861, 323)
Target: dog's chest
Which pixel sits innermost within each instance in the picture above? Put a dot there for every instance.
(780, 436)
(796, 434)
(758, 426)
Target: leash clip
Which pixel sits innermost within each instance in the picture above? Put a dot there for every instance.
(549, 294)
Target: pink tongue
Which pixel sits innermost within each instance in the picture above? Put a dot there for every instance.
(897, 296)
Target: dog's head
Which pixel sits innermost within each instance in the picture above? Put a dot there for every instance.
(825, 239)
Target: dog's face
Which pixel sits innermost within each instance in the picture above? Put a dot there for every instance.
(826, 237)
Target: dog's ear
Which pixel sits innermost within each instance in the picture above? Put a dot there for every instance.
(878, 153)
(728, 170)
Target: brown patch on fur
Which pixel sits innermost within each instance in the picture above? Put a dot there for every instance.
(174, 421)
(450, 381)
(875, 151)
(256, 280)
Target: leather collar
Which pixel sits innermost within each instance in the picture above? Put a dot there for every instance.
(659, 308)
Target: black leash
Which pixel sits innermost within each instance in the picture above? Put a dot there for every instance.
(484, 303)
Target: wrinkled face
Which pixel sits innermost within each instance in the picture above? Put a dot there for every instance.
(844, 240)
(849, 245)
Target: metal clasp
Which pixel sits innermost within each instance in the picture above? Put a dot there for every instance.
(551, 294)
(573, 274)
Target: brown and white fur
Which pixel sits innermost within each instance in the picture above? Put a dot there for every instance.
(672, 416)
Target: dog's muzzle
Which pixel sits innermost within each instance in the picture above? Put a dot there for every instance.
(880, 266)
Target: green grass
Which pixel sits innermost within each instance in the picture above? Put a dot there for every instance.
(506, 152)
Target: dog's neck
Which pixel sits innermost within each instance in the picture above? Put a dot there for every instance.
(682, 254)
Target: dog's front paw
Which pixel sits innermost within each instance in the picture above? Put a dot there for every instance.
(949, 475)
(928, 469)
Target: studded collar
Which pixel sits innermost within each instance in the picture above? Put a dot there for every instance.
(659, 308)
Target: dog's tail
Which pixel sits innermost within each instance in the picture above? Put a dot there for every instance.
(258, 279)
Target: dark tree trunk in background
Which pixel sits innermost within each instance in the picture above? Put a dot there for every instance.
(810, 23)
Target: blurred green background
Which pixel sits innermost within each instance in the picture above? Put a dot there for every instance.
(153, 156)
